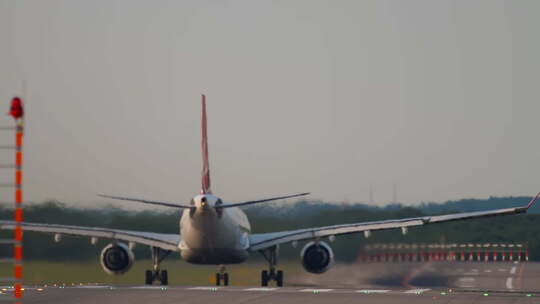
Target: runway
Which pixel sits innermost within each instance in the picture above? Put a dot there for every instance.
(375, 283)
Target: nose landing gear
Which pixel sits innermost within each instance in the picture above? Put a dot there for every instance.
(271, 254)
(158, 255)
(222, 276)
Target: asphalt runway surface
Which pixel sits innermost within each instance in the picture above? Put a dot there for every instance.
(378, 283)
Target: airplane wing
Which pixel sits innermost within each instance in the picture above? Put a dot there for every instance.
(266, 240)
(161, 240)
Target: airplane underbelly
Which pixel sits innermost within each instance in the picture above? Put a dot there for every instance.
(212, 242)
(214, 256)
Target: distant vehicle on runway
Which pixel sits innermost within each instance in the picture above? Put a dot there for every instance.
(213, 231)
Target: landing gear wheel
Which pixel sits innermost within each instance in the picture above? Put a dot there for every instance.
(279, 278)
(157, 274)
(270, 254)
(164, 278)
(222, 276)
(149, 278)
(264, 278)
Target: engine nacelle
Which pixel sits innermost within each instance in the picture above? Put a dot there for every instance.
(317, 257)
(116, 258)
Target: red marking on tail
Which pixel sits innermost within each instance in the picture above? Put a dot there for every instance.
(205, 178)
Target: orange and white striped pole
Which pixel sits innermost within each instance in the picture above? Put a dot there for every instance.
(17, 112)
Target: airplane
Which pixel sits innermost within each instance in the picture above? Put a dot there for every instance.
(213, 231)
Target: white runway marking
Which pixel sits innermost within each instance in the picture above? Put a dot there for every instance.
(204, 288)
(487, 270)
(502, 269)
(373, 291)
(509, 283)
(466, 282)
(94, 286)
(315, 290)
(149, 287)
(260, 289)
(417, 291)
(513, 270)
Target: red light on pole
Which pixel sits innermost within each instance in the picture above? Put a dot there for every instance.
(16, 110)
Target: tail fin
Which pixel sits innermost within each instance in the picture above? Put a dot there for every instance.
(205, 178)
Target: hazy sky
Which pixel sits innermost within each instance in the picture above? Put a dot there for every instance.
(439, 97)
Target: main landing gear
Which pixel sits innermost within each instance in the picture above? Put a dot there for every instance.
(158, 255)
(222, 276)
(272, 274)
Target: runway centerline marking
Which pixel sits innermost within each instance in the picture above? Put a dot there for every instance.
(315, 290)
(149, 287)
(204, 288)
(418, 291)
(260, 289)
(513, 270)
(509, 283)
(368, 291)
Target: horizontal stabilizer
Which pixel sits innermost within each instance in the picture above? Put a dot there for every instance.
(147, 201)
(262, 200)
(191, 206)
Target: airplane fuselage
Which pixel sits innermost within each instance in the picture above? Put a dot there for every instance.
(213, 235)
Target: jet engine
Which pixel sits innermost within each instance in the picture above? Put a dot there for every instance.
(317, 257)
(116, 258)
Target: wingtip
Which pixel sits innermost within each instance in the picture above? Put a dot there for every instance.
(301, 194)
(109, 196)
(533, 201)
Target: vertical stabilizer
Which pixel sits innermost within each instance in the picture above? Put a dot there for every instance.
(205, 178)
